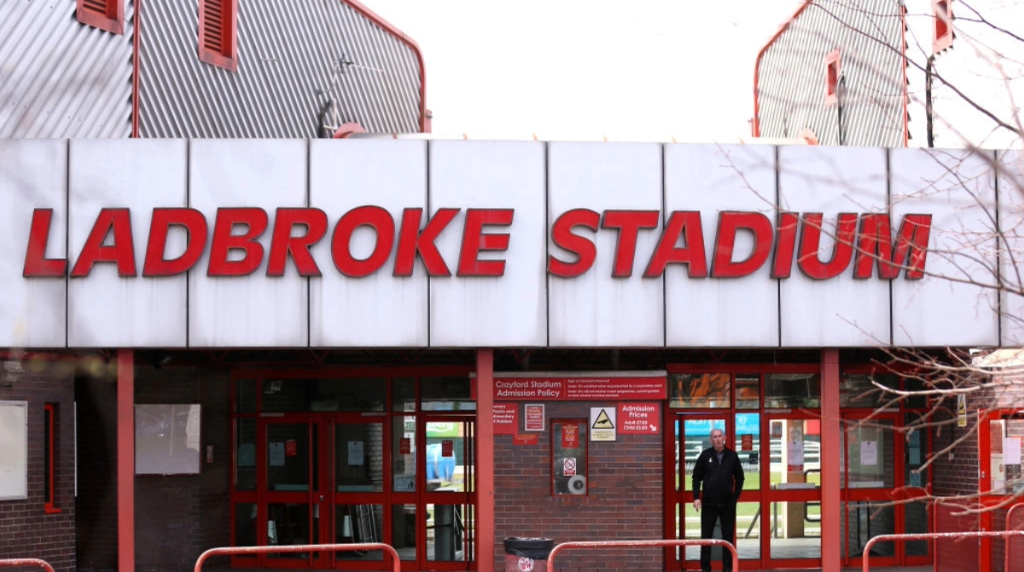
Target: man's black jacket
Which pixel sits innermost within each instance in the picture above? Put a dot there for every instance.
(721, 483)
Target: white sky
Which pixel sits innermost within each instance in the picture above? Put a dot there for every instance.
(571, 69)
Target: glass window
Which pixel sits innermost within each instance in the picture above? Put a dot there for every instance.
(700, 390)
(569, 457)
(915, 454)
(869, 454)
(792, 390)
(245, 396)
(403, 530)
(358, 523)
(795, 446)
(288, 457)
(799, 521)
(446, 394)
(403, 454)
(245, 524)
(748, 392)
(316, 395)
(245, 454)
(359, 457)
(403, 394)
(859, 390)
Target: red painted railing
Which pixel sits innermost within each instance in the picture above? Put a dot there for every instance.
(601, 544)
(940, 536)
(251, 550)
(12, 562)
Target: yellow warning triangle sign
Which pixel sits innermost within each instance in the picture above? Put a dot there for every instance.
(603, 422)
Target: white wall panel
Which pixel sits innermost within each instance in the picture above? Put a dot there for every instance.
(254, 310)
(33, 174)
(1011, 256)
(957, 189)
(379, 310)
(595, 309)
(106, 309)
(840, 311)
(717, 312)
(482, 311)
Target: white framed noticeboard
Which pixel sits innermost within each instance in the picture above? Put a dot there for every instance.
(13, 450)
(167, 439)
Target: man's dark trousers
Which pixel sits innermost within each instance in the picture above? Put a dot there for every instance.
(726, 514)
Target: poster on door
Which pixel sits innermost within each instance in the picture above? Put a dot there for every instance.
(570, 436)
(795, 448)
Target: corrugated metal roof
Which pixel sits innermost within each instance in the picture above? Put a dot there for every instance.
(791, 75)
(60, 78)
(301, 63)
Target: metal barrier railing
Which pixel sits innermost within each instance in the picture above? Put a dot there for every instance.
(250, 550)
(598, 544)
(866, 555)
(12, 562)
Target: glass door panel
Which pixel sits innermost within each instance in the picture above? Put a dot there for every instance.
(290, 489)
(792, 502)
(747, 444)
(357, 451)
(448, 493)
(693, 435)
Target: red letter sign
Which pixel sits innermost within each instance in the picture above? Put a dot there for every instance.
(36, 263)
(283, 243)
(583, 248)
(810, 240)
(474, 240)
(255, 221)
(685, 224)
(629, 224)
(194, 222)
(118, 221)
(412, 241)
(729, 223)
(875, 243)
(383, 227)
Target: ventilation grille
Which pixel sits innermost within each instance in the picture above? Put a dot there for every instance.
(104, 14)
(213, 26)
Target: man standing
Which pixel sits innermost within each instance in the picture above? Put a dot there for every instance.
(719, 474)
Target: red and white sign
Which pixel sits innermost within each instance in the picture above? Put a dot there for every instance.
(568, 467)
(864, 241)
(506, 418)
(639, 418)
(405, 446)
(747, 441)
(570, 437)
(447, 449)
(291, 448)
(534, 417)
(579, 388)
(525, 564)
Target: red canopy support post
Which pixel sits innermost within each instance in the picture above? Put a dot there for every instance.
(831, 441)
(485, 459)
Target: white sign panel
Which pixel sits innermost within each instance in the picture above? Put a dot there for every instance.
(608, 302)
(381, 179)
(33, 183)
(702, 311)
(602, 423)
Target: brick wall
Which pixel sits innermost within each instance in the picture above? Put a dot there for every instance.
(26, 531)
(624, 499)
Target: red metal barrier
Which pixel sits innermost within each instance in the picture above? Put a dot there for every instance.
(12, 562)
(645, 543)
(1007, 534)
(250, 550)
(1012, 548)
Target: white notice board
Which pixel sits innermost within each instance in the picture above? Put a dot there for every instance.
(167, 439)
(13, 450)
